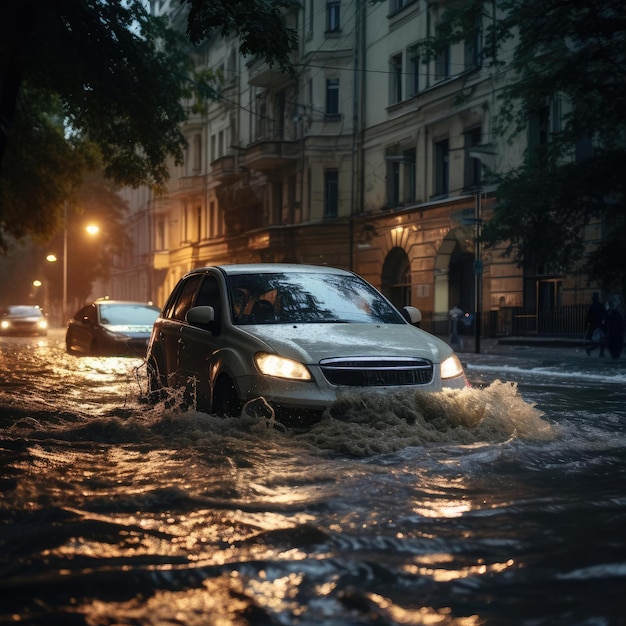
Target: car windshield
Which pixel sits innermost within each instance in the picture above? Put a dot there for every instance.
(128, 314)
(301, 297)
(21, 311)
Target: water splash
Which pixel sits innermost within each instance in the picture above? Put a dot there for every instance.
(367, 424)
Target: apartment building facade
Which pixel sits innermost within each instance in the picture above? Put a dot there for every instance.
(363, 160)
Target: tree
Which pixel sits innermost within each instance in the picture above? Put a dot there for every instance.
(89, 257)
(568, 63)
(100, 84)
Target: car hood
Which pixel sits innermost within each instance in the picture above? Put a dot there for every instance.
(309, 343)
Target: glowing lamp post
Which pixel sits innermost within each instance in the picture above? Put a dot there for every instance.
(91, 229)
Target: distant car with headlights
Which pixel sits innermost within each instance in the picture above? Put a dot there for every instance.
(297, 335)
(111, 328)
(23, 319)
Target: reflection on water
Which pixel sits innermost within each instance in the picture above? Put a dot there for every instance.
(461, 508)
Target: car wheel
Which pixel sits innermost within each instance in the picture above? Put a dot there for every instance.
(69, 346)
(155, 387)
(226, 402)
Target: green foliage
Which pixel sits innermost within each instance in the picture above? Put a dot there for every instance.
(101, 84)
(607, 264)
(570, 57)
(259, 23)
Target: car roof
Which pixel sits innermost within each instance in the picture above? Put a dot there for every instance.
(12, 307)
(127, 302)
(259, 268)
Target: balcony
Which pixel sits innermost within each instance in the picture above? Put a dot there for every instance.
(185, 184)
(262, 75)
(225, 170)
(271, 155)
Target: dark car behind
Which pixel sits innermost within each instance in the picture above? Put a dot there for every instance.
(111, 328)
(23, 319)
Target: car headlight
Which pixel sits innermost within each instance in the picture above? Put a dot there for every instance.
(280, 367)
(4, 324)
(451, 367)
(42, 324)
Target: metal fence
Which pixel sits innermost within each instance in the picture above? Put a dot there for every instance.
(567, 321)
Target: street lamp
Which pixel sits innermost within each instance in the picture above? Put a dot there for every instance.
(91, 229)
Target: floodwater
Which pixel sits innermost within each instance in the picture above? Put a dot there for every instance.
(501, 504)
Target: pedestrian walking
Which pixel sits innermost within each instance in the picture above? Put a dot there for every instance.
(614, 326)
(455, 314)
(595, 332)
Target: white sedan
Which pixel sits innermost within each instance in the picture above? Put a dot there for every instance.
(296, 335)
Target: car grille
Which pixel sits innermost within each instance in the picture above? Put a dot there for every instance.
(377, 372)
(21, 326)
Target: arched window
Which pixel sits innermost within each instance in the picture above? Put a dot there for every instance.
(396, 277)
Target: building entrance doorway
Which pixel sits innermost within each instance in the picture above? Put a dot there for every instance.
(461, 291)
(454, 272)
(396, 277)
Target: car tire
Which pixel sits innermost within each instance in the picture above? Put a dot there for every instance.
(69, 346)
(156, 391)
(226, 402)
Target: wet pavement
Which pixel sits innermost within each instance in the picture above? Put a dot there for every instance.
(501, 503)
(538, 350)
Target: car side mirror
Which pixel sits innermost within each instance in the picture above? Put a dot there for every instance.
(202, 316)
(412, 315)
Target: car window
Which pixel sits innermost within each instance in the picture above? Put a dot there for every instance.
(128, 314)
(185, 298)
(307, 298)
(209, 295)
(22, 311)
(88, 312)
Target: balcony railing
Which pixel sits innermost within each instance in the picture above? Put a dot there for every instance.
(225, 169)
(268, 155)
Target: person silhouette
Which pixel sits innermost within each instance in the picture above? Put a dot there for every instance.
(614, 327)
(595, 325)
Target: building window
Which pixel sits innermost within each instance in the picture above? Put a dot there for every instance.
(412, 72)
(184, 227)
(395, 79)
(331, 193)
(332, 17)
(160, 234)
(332, 96)
(401, 178)
(473, 167)
(220, 144)
(197, 152)
(212, 219)
(397, 5)
(199, 223)
(442, 154)
(474, 46)
(260, 116)
(538, 133)
(277, 203)
(442, 61)
(409, 184)
(291, 200)
(393, 183)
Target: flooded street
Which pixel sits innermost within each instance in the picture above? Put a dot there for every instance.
(500, 504)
